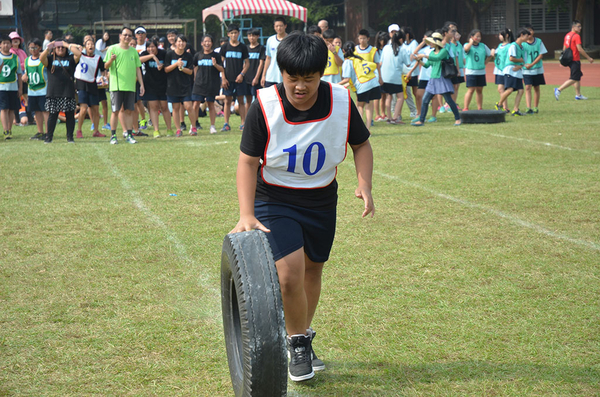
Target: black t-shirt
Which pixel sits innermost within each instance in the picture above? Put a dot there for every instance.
(178, 83)
(255, 55)
(61, 83)
(91, 88)
(208, 82)
(234, 57)
(155, 81)
(254, 143)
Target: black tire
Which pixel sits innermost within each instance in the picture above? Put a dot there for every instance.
(253, 321)
(483, 116)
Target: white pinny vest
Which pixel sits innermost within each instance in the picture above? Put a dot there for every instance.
(87, 67)
(304, 155)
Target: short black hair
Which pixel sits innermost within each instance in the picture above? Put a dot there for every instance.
(233, 27)
(313, 29)
(408, 32)
(172, 31)
(208, 36)
(223, 40)
(448, 23)
(329, 34)
(253, 32)
(528, 26)
(182, 38)
(280, 19)
(523, 32)
(122, 29)
(576, 22)
(36, 42)
(4, 37)
(301, 54)
(364, 32)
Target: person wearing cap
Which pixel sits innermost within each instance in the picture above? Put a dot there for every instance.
(140, 46)
(437, 83)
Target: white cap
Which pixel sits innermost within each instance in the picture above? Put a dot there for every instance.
(140, 29)
(393, 27)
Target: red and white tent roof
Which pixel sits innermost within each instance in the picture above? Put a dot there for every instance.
(230, 9)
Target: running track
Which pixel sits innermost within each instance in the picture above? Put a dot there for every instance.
(556, 74)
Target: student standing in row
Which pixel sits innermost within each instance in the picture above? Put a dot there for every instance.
(256, 57)
(155, 81)
(271, 73)
(10, 85)
(207, 67)
(500, 55)
(235, 58)
(89, 68)
(513, 71)
(36, 77)
(392, 64)
(335, 59)
(179, 68)
(61, 88)
(477, 55)
(533, 72)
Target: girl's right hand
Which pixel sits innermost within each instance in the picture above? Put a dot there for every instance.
(246, 224)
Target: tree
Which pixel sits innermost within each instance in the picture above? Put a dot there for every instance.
(29, 12)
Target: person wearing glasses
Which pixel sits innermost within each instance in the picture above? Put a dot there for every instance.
(124, 65)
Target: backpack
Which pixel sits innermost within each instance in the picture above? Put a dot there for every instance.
(566, 57)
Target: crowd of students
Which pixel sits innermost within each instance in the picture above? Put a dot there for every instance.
(64, 81)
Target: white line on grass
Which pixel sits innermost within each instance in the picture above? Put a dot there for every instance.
(171, 236)
(511, 218)
(552, 145)
(203, 143)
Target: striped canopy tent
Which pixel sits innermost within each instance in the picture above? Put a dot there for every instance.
(229, 9)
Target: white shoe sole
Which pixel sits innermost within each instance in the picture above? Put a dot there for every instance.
(303, 377)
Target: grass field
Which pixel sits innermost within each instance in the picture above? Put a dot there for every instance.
(477, 276)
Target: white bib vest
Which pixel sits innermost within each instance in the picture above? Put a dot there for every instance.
(304, 155)
(87, 67)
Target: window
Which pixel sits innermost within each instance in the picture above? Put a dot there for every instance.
(543, 18)
(494, 19)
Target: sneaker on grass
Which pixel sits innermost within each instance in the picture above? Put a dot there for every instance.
(157, 134)
(516, 113)
(213, 129)
(98, 134)
(300, 367)
(529, 111)
(37, 136)
(580, 97)
(556, 93)
(226, 127)
(113, 140)
(106, 126)
(317, 364)
(131, 139)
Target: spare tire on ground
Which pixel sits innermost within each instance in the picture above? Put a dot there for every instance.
(483, 116)
(253, 320)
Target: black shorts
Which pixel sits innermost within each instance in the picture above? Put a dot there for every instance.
(476, 80)
(534, 79)
(102, 94)
(390, 88)
(457, 80)
(10, 100)
(371, 95)
(423, 84)
(576, 73)
(36, 103)
(413, 82)
(126, 99)
(512, 82)
(294, 227)
(499, 79)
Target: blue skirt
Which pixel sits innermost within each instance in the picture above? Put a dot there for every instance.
(439, 86)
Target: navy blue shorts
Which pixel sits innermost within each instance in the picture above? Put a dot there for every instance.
(179, 99)
(534, 79)
(10, 100)
(390, 88)
(499, 79)
(269, 83)
(254, 89)
(149, 96)
(202, 98)
(237, 89)
(512, 82)
(295, 227)
(87, 98)
(457, 80)
(101, 94)
(413, 82)
(36, 103)
(476, 80)
(423, 84)
(371, 95)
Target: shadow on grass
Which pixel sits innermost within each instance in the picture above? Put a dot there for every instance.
(381, 378)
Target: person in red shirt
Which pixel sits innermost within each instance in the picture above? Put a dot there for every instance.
(573, 41)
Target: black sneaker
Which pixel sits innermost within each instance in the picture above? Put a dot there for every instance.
(300, 367)
(38, 136)
(183, 127)
(139, 133)
(317, 364)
